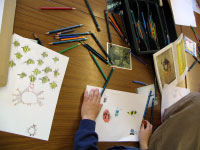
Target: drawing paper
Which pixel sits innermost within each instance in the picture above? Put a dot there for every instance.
(183, 12)
(28, 102)
(145, 91)
(170, 95)
(125, 115)
(1, 12)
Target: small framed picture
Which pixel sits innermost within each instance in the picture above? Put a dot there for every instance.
(120, 56)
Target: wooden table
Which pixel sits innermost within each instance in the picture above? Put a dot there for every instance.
(81, 70)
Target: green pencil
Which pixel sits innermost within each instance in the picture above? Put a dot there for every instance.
(106, 83)
(64, 50)
(98, 65)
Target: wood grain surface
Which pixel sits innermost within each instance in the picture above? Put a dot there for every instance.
(81, 70)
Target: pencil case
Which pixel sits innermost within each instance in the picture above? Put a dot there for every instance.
(163, 23)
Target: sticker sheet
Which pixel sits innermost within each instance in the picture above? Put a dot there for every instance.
(28, 102)
(121, 115)
(190, 46)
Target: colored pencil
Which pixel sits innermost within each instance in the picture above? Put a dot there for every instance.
(138, 58)
(68, 31)
(106, 83)
(152, 110)
(195, 34)
(144, 23)
(115, 24)
(107, 25)
(134, 81)
(193, 64)
(67, 28)
(57, 8)
(38, 40)
(101, 47)
(124, 27)
(95, 53)
(92, 14)
(115, 20)
(97, 64)
(65, 39)
(147, 103)
(64, 50)
(117, 31)
(68, 41)
(72, 34)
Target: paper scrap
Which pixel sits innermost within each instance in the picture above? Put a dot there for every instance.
(183, 12)
(170, 95)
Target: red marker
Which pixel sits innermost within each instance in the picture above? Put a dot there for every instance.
(57, 8)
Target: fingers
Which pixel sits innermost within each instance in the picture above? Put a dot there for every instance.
(91, 96)
(149, 126)
(96, 95)
(142, 126)
(85, 96)
(100, 106)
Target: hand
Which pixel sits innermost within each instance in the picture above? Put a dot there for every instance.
(144, 135)
(91, 105)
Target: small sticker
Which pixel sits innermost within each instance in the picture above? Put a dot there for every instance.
(117, 113)
(132, 132)
(132, 113)
(106, 115)
(105, 99)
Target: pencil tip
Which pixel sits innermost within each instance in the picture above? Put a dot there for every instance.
(47, 33)
(50, 43)
(98, 29)
(73, 8)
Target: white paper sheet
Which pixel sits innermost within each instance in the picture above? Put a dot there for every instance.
(1, 12)
(183, 12)
(145, 91)
(195, 6)
(28, 102)
(170, 95)
(122, 121)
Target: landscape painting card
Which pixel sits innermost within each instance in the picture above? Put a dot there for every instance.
(121, 115)
(120, 56)
(28, 102)
(190, 46)
(170, 63)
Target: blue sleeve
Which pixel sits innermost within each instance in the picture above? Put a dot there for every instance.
(86, 138)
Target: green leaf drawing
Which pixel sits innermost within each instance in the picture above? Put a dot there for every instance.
(12, 64)
(53, 85)
(18, 55)
(22, 75)
(45, 79)
(26, 49)
(40, 62)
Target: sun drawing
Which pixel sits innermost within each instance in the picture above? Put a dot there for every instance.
(28, 97)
